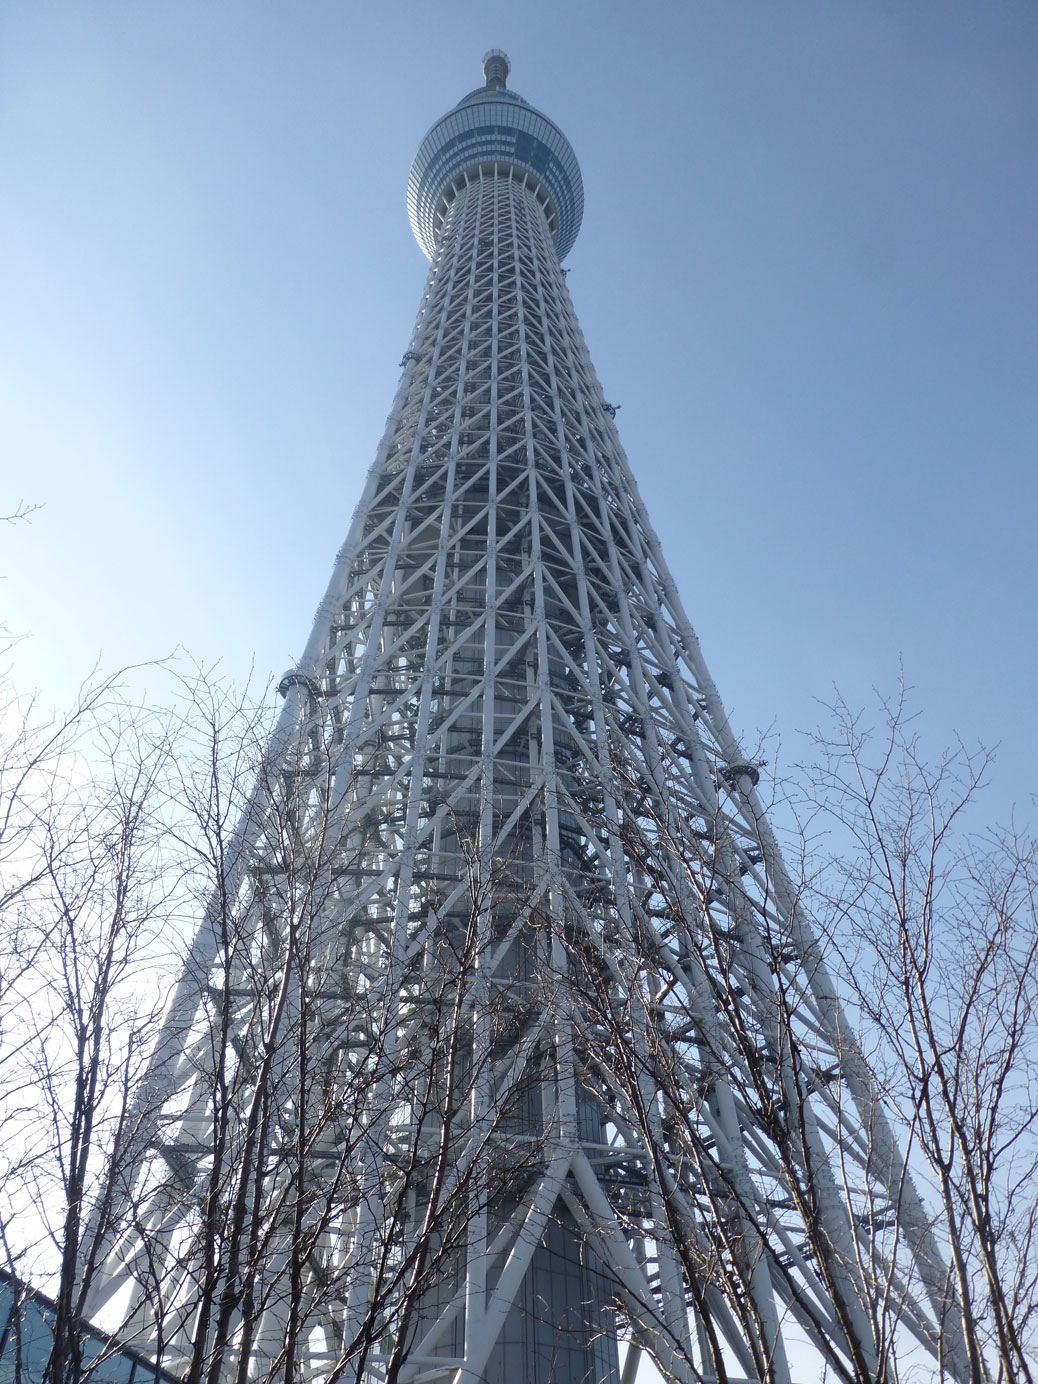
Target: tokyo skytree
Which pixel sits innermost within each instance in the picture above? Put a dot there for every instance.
(504, 1053)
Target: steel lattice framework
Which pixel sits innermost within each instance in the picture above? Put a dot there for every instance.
(505, 956)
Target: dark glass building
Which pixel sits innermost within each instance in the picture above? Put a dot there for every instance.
(27, 1338)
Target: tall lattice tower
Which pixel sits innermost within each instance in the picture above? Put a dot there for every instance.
(503, 1053)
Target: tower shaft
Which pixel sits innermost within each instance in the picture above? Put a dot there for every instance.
(503, 1032)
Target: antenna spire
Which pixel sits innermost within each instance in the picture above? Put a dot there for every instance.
(496, 67)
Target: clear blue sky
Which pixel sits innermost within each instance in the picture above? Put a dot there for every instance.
(807, 273)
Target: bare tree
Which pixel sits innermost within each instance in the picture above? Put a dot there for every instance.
(24, 509)
(80, 897)
(936, 930)
(741, 1191)
(235, 1185)
(219, 1168)
(872, 1178)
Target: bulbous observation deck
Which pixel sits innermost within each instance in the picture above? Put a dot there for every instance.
(494, 127)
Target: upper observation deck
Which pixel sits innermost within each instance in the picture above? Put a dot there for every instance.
(493, 126)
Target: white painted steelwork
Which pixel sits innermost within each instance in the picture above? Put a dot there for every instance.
(503, 789)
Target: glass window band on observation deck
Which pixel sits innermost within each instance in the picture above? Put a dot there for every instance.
(499, 129)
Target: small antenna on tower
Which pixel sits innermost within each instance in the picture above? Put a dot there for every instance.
(496, 68)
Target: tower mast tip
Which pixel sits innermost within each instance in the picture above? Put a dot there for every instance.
(496, 67)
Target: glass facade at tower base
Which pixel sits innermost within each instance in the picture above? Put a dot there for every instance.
(27, 1338)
